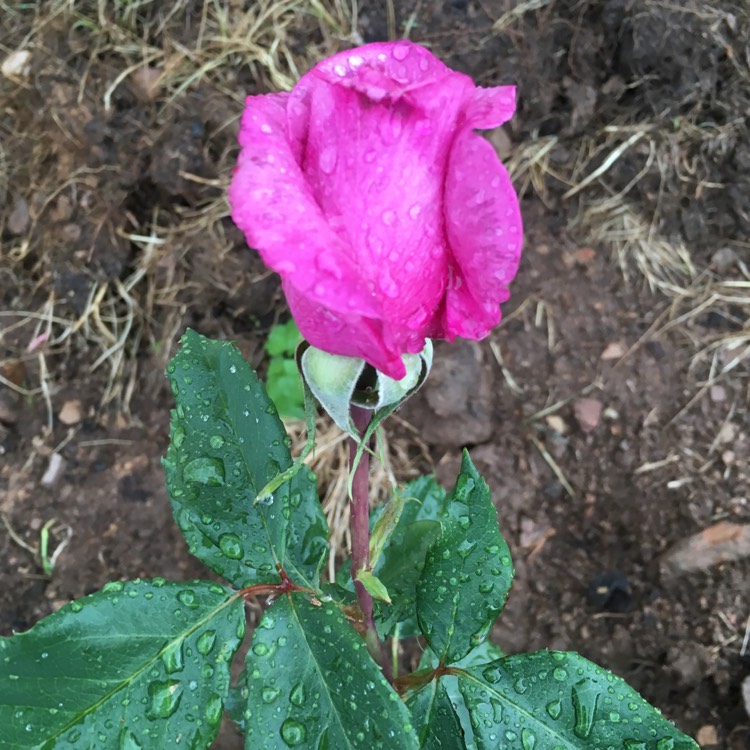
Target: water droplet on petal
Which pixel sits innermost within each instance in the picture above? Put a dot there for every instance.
(327, 160)
(415, 210)
(388, 217)
(401, 51)
(266, 128)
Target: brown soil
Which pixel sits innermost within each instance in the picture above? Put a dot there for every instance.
(115, 237)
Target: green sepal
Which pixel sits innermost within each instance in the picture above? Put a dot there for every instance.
(227, 443)
(373, 585)
(467, 572)
(142, 664)
(311, 684)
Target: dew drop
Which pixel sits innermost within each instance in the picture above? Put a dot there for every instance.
(327, 161)
(165, 698)
(213, 709)
(400, 52)
(188, 598)
(205, 642)
(293, 733)
(269, 694)
(585, 710)
(297, 696)
(173, 657)
(128, 740)
(205, 471)
(260, 649)
(485, 587)
(528, 739)
(178, 437)
(560, 674)
(554, 709)
(216, 441)
(231, 546)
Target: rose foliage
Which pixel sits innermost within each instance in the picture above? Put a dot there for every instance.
(389, 219)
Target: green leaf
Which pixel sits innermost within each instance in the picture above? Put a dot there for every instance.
(143, 664)
(467, 572)
(373, 585)
(401, 562)
(435, 719)
(283, 339)
(284, 387)
(227, 443)
(311, 684)
(561, 700)
(480, 655)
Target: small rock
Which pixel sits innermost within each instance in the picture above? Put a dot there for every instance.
(54, 471)
(718, 393)
(17, 65)
(18, 220)
(588, 412)
(146, 82)
(615, 350)
(746, 694)
(707, 736)
(71, 413)
(584, 256)
(724, 259)
(557, 423)
(722, 542)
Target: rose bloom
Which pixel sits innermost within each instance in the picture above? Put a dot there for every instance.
(387, 217)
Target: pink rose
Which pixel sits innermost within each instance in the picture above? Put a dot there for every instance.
(388, 218)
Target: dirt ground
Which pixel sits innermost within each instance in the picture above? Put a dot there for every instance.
(609, 410)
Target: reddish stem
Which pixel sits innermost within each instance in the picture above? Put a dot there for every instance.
(360, 529)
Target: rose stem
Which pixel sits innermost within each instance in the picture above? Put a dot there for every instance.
(360, 532)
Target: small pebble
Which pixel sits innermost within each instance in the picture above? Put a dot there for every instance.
(71, 413)
(588, 412)
(54, 471)
(707, 736)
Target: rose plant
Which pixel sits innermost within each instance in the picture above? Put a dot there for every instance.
(391, 222)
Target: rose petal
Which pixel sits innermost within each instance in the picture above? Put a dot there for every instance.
(275, 208)
(349, 335)
(483, 223)
(377, 171)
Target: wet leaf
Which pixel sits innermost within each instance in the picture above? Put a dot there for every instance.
(480, 655)
(467, 572)
(435, 719)
(560, 700)
(143, 664)
(311, 684)
(227, 443)
(402, 560)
